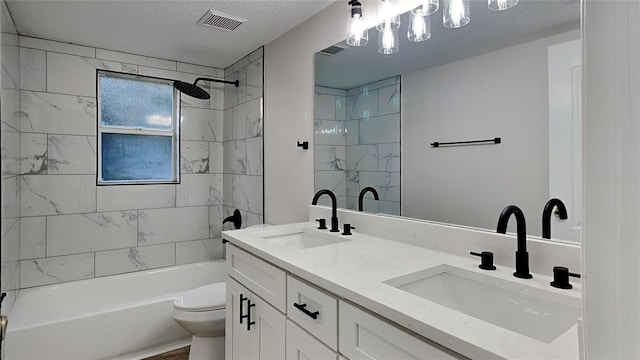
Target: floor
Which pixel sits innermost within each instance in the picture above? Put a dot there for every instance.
(179, 354)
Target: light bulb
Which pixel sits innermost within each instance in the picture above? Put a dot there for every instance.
(499, 5)
(358, 34)
(426, 7)
(419, 28)
(388, 16)
(455, 13)
(388, 41)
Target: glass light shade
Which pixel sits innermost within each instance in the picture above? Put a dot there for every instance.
(388, 41)
(419, 28)
(388, 16)
(426, 7)
(455, 13)
(499, 5)
(358, 34)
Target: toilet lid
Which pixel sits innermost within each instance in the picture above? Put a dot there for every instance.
(204, 298)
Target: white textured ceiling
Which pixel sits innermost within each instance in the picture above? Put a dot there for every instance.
(165, 29)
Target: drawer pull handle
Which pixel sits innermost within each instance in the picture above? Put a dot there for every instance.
(249, 322)
(242, 299)
(303, 308)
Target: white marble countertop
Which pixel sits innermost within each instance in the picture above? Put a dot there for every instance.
(355, 270)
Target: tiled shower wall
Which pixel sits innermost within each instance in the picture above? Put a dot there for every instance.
(367, 146)
(243, 140)
(10, 158)
(72, 229)
(329, 143)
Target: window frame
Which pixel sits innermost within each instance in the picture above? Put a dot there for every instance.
(126, 130)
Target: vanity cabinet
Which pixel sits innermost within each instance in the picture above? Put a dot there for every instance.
(275, 315)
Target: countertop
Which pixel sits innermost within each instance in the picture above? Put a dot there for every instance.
(355, 270)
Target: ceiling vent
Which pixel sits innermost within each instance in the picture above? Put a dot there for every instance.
(220, 20)
(334, 49)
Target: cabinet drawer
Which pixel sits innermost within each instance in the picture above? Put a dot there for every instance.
(262, 278)
(303, 301)
(301, 345)
(364, 336)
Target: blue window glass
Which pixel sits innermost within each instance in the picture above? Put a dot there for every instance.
(136, 104)
(136, 157)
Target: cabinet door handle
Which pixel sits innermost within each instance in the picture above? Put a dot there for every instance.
(303, 308)
(242, 299)
(249, 322)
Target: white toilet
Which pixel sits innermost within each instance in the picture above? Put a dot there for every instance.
(201, 311)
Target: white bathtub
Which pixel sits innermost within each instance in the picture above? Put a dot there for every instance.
(115, 317)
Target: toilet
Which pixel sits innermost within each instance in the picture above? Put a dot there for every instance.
(201, 311)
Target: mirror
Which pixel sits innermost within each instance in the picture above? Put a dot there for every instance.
(513, 74)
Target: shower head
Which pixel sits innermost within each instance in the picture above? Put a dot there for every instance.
(196, 91)
(191, 90)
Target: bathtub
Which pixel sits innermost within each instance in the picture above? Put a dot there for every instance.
(115, 317)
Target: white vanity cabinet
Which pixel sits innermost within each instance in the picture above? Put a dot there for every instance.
(275, 315)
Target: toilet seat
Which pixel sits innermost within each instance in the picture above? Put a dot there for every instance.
(204, 298)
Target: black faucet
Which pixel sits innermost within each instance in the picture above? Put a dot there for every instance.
(361, 197)
(522, 257)
(546, 216)
(334, 207)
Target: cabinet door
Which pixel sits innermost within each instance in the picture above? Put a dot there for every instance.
(237, 337)
(302, 346)
(265, 338)
(268, 332)
(364, 336)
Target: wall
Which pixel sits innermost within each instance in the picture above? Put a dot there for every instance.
(72, 229)
(288, 106)
(357, 144)
(10, 158)
(243, 143)
(470, 185)
(611, 149)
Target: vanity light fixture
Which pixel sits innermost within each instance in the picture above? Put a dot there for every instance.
(455, 13)
(499, 5)
(358, 33)
(426, 7)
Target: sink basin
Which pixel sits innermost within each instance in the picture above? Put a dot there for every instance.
(301, 238)
(503, 303)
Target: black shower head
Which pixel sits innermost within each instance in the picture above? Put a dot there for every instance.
(197, 92)
(191, 90)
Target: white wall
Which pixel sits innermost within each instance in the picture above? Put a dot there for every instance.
(611, 233)
(288, 106)
(499, 94)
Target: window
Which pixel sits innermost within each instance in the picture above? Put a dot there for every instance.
(137, 130)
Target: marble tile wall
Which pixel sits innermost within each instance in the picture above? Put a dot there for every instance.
(330, 136)
(71, 229)
(9, 159)
(373, 145)
(243, 140)
(357, 144)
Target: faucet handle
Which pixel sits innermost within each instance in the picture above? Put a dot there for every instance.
(322, 224)
(347, 229)
(486, 260)
(561, 277)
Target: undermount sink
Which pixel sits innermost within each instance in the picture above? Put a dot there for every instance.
(503, 303)
(301, 238)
